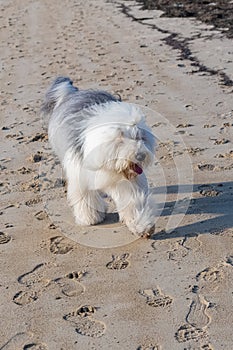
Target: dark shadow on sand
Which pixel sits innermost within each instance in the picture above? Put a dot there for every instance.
(216, 199)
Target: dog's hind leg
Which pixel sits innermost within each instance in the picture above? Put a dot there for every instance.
(88, 206)
(89, 209)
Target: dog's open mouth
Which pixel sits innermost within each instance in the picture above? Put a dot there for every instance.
(132, 171)
(136, 168)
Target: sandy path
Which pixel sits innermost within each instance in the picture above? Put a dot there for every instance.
(171, 292)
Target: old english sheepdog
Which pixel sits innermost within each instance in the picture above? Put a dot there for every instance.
(104, 146)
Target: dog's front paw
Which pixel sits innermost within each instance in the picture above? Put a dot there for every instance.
(145, 231)
(148, 232)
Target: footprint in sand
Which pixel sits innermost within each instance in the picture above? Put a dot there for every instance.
(208, 191)
(197, 321)
(208, 167)
(178, 251)
(192, 243)
(35, 283)
(119, 262)
(4, 238)
(60, 245)
(33, 201)
(84, 323)
(70, 285)
(197, 315)
(155, 298)
(184, 125)
(36, 276)
(195, 150)
(186, 332)
(206, 347)
(26, 297)
(210, 279)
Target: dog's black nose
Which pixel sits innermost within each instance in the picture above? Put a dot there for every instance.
(140, 156)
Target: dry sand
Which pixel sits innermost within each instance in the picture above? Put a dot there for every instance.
(59, 287)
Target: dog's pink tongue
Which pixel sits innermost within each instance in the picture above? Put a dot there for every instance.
(137, 169)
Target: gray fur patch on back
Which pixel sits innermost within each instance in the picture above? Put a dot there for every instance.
(83, 99)
(72, 115)
(69, 109)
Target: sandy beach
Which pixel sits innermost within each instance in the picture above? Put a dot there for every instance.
(66, 287)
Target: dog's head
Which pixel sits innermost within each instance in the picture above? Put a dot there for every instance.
(119, 141)
(135, 150)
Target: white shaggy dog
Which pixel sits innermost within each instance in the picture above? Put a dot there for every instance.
(104, 145)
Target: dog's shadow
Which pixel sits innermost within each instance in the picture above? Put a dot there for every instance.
(110, 219)
(216, 199)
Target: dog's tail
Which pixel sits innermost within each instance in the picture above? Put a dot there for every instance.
(60, 89)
